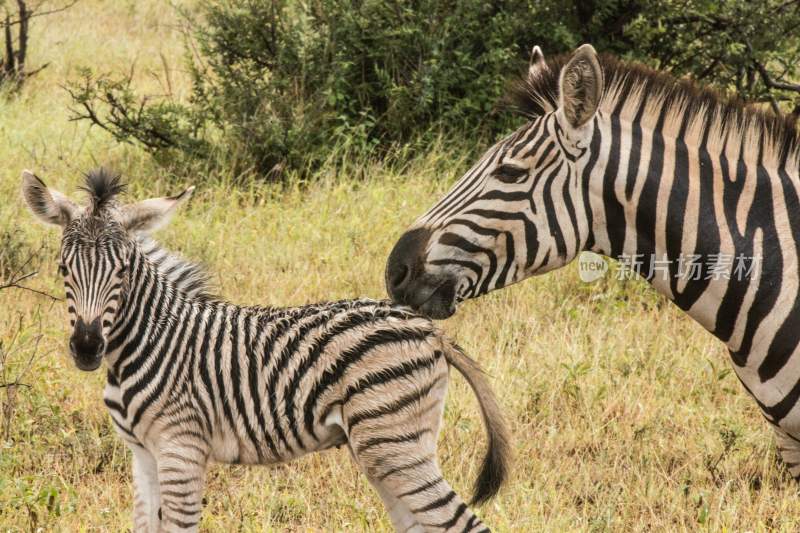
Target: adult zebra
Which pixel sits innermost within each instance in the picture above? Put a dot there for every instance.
(633, 163)
(193, 379)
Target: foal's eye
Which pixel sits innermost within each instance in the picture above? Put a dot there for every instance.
(62, 269)
(510, 173)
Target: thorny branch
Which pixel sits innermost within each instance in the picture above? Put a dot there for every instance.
(16, 277)
(8, 406)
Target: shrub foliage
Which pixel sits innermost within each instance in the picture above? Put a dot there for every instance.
(281, 84)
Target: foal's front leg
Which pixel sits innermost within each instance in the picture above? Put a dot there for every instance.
(145, 491)
(181, 474)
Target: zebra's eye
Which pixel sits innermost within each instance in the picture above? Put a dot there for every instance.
(62, 269)
(510, 174)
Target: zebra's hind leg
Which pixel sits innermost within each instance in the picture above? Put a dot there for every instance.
(789, 448)
(402, 518)
(394, 443)
(419, 498)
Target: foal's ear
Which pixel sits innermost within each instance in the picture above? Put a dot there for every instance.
(580, 87)
(149, 215)
(49, 205)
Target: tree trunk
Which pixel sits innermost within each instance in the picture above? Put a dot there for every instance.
(8, 62)
(22, 45)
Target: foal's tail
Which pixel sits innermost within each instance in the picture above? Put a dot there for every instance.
(495, 463)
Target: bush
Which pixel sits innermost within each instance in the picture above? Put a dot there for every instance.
(281, 84)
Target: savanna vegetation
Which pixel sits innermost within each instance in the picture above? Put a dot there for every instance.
(625, 414)
(279, 85)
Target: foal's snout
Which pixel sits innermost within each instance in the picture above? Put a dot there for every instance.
(87, 344)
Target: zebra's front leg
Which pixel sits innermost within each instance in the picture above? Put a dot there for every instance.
(789, 448)
(181, 475)
(145, 491)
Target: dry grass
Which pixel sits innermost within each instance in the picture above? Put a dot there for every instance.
(624, 412)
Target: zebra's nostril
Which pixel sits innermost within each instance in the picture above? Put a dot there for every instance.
(398, 277)
(405, 261)
(87, 339)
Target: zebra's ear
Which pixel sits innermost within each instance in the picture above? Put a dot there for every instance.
(537, 63)
(49, 205)
(580, 87)
(149, 215)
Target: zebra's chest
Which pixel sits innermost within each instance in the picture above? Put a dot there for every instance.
(126, 422)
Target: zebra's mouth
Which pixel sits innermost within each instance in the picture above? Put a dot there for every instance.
(441, 303)
(87, 344)
(88, 364)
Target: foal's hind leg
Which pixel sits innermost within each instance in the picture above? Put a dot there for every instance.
(394, 442)
(419, 498)
(402, 518)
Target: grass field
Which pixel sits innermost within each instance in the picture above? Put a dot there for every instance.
(625, 414)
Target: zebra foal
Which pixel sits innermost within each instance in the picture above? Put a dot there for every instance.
(191, 378)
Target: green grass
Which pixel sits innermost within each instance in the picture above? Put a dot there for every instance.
(625, 415)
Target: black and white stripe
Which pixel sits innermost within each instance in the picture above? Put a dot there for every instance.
(193, 379)
(639, 166)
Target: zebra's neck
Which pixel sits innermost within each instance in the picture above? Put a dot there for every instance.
(162, 291)
(688, 209)
(186, 277)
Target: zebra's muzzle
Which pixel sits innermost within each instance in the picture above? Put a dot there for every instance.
(441, 303)
(87, 344)
(408, 283)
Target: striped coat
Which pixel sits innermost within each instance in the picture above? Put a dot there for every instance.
(193, 379)
(698, 194)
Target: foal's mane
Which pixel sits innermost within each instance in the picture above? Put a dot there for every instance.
(103, 187)
(190, 278)
(686, 106)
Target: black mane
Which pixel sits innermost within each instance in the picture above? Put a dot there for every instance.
(534, 96)
(102, 186)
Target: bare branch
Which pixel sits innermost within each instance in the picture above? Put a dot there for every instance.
(36, 70)
(769, 82)
(772, 84)
(33, 13)
(167, 73)
(785, 5)
(15, 283)
(14, 61)
(774, 104)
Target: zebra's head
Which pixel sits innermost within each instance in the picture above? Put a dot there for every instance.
(96, 244)
(520, 210)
